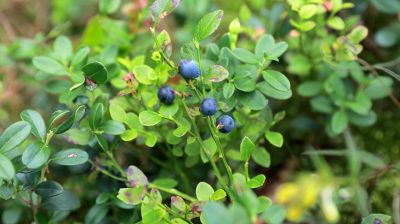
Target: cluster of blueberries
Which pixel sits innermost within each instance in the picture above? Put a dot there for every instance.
(188, 69)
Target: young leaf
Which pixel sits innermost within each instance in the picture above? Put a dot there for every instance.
(218, 195)
(14, 135)
(149, 118)
(275, 138)
(7, 171)
(208, 24)
(36, 121)
(70, 157)
(256, 181)
(36, 155)
(204, 191)
(261, 157)
(49, 189)
(246, 148)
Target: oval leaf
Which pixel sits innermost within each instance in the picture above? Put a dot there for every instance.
(70, 157)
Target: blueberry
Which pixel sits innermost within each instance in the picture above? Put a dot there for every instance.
(208, 106)
(189, 69)
(166, 94)
(225, 123)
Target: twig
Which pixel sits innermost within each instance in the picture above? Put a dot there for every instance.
(376, 74)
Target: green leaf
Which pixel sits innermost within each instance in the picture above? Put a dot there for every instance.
(374, 218)
(112, 127)
(277, 80)
(256, 181)
(149, 118)
(245, 56)
(49, 65)
(117, 112)
(261, 157)
(275, 138)
(358, 34)
(228, 90)
(310, 88)
(378, 88)
(387, 6)
(145, 74)
(253, 100)
(218, 73)
(96, 116)
(63, 48)
(36, 155)
(129, 135)
(216, 213)
(339, 121)
(96, 72)
(165, 182)
(270, 91)
(70, 157)
(66, 201)
(96, 214)
(275, 52)
(13, 136)
(168, 110)
(246, 148)
(208, 24)
(218, 195)
(67, 124)
(336, 23)
(109, 6)
(48, 189)
(274, 214)
(308, 11)
(263, 203)
(7, 171)
(80, 57)
(245, 84)
(132, 196)
(36, 121)
(264, 44)
(204, 191)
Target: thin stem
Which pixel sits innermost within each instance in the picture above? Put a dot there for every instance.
(200, 141)
(173, 191)
(105, 172)
(376, 74)
(220, 150)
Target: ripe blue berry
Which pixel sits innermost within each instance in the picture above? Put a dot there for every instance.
(208, 106)
(225, 123)
(166, 94)
(189, 69)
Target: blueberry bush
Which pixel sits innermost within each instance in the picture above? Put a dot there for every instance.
(184, 112)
